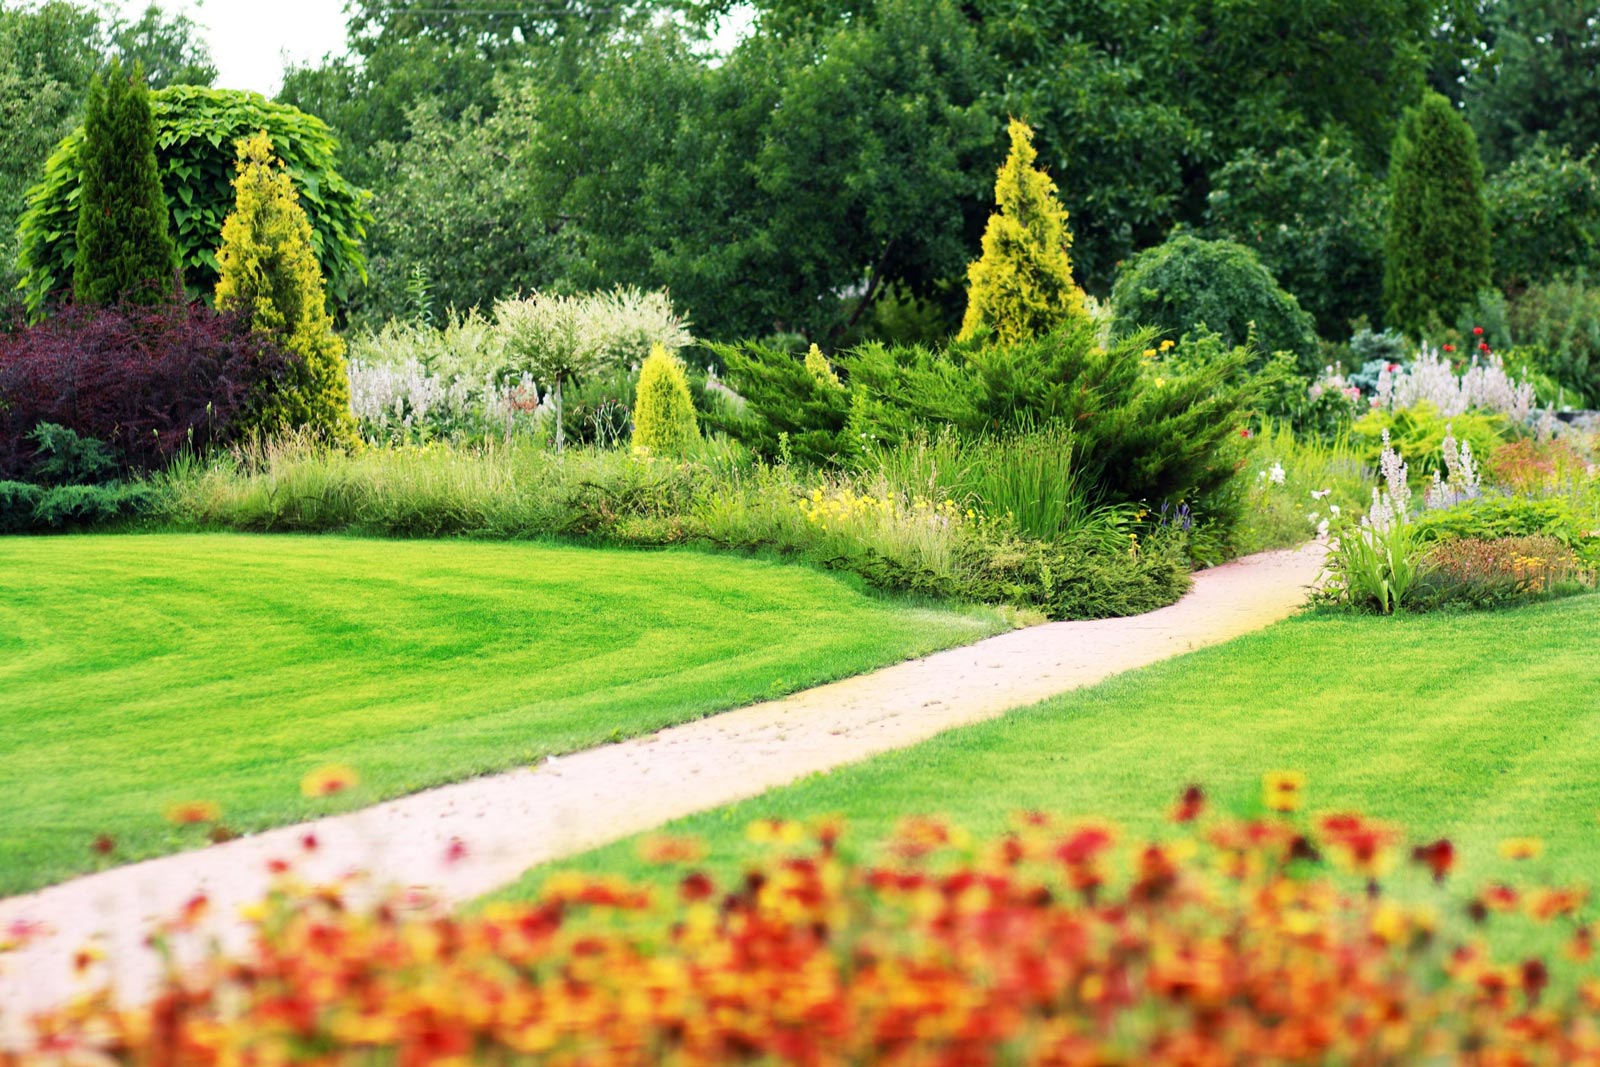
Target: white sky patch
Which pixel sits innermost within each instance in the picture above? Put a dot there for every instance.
(252, 39)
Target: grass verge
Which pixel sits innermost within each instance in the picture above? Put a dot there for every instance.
(142, 671)
(1479, 727)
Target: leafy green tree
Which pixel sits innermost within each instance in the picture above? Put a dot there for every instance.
(168, 47)
(459, 206)
(196, 129)
(267, 269)
(1544, 214)
(1314, 216)
(785, 188)
(123, 247)
(1022, 285)
(1138, 102)
(663, 414)
(1436, 252)
(1536, 82)
(48, 53)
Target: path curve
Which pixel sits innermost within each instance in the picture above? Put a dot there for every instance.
(507, 823)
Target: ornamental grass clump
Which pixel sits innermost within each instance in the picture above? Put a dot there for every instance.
(1280, 940)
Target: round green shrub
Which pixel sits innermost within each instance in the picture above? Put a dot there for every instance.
(1188, 282)
(663, 415)
(196, 130)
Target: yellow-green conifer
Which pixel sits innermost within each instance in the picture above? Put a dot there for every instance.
(663, 415)
(821, 370)
(1022, 285)
(267, 269)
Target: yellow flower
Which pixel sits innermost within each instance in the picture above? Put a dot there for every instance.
(1161, 383)
(1521, 848)
(1149, 353)
(326, 781)
(1165, 345)
(1284, 790)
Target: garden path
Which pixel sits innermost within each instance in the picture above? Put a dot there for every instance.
(460, 841)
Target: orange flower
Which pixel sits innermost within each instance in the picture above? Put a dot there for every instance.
(666, 849)
(193, 813)
(326, 781)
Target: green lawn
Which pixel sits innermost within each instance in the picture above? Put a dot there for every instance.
(1479, 727)
(139, 671)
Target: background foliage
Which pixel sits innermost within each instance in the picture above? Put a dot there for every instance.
(196, 130)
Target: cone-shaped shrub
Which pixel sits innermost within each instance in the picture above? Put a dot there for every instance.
(124, 244)
(663, 414)
(268, 271)
(1022, 286)
(1436, 255)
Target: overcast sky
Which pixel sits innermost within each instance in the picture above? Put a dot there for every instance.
(250, 38)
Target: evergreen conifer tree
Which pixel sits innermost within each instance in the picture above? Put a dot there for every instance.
(267, 268)
(1436, 254)
(663, 416)
(124, 245)
(1022, 286)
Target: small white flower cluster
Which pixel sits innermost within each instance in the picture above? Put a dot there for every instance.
(1332, 381)
(1274, 474)
(1485, 384)
(404, 400)
(1462, 481)
(1316, 516)
(1391, 503)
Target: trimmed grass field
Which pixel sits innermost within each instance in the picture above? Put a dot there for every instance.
(1478, 727)
(141, 671)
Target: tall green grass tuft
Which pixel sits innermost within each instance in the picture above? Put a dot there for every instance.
(917, 526)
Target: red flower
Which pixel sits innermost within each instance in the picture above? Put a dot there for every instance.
(1477, 331)
(1393, 367)
(1438, 857)
(104, 845)
(1483, 346)
(1244, 431)
(1190, 805)
(1449, 348)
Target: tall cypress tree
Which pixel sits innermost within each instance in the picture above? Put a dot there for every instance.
(1022, 286)
(124, 246)
(1436, 255)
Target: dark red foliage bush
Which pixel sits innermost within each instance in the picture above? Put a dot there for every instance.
(147, 381)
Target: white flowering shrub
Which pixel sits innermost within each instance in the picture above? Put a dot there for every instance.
(474, 376)
(1429, 378)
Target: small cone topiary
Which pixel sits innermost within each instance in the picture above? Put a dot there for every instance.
(1436, 254)
(268, 269)
(1022, 286)
(663, 416)
(124, 239)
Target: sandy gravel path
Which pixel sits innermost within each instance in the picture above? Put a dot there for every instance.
(497, 827)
